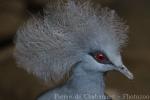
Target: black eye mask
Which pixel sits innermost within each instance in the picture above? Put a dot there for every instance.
(100, 57)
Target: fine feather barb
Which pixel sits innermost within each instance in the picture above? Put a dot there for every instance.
(49, 45)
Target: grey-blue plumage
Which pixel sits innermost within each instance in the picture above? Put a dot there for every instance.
(72, 35)
(82, 85)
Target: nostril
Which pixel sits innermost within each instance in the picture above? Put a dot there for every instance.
(122, 68)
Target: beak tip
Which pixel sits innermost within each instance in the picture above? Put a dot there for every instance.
(126, 72)
(131, 77)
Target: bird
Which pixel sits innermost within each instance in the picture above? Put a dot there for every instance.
(75, 39)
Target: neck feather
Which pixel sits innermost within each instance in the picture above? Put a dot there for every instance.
(86, 81)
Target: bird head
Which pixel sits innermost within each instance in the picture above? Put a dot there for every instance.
(101, 61)
(48, 45)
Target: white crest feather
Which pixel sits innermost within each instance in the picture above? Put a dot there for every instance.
(49, 46)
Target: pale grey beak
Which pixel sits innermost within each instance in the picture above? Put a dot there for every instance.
(124, 71)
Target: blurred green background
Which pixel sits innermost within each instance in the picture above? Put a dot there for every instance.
(17, 84)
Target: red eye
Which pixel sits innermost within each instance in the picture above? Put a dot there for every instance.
(100, 57)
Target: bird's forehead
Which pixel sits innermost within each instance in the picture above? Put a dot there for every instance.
(104, 42)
